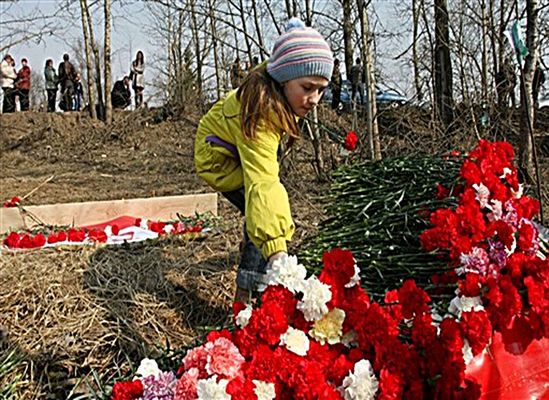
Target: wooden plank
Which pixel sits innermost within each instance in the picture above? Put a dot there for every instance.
(94, 212)
(11, 220)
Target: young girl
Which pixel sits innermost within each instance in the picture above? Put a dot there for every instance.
(137, 77)
(237, 141)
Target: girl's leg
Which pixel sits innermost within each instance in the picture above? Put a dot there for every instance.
(251, 267)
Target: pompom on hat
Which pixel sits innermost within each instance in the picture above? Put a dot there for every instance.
(300, 51)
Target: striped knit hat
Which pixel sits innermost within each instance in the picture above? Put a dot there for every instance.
(299, 52)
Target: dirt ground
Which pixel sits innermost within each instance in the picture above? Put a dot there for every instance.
(73, 315)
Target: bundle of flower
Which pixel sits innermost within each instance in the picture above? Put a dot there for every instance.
(141, 229)
(14, 202)
(494, 247)
(378, 210)
(323, 338)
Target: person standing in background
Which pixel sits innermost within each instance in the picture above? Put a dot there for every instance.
(8, 75)
(51, 79)
(357, 81)
(78, 93)
(23, 84)
(67, 74)
(336, 85)
(138, 78)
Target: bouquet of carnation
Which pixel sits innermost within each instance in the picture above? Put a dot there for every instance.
(323, 338)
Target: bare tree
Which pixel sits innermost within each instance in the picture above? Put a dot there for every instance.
(89, 68)
(348, 35)
(107, 65)
(443, 66)
(527, 151)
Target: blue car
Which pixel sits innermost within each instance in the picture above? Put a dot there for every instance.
(388, 97)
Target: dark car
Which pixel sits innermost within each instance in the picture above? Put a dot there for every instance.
(384, 97)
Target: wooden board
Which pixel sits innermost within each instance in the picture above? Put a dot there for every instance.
(94, 212)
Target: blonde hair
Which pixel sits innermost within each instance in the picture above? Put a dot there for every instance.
(262, 100)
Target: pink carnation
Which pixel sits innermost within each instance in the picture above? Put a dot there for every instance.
(185, 388)
(197, 358)
(223, 359)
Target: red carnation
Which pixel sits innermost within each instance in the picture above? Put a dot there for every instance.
(350, 141)
(477, 329)
(76, 235)
(14, 202)
(39, 240)
(127, 390)
(241, 389)
(390, 384)
(268, 322)
(470, 286)
(527, 235)
(413, 299)
(12, 240)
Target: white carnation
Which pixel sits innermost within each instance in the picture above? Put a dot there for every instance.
(210, 389)
(147, 368)
(264, 390)
(244, 316)
(461, 304)
(361, 384)
(295, 341)
(315, 297)
(287, 272)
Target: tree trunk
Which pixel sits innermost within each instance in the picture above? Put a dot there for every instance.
(415, 59)
(308, 13)
(197, 53)
(214, 43)
(484, 60)
(348, 36)
(97, 60)
(526, 143)
(289, 12)
(374, 142)
(89, 67)
(108, 104)
(443, 66)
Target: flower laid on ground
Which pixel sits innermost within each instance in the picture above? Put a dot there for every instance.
(493, 245)
(14, 202)
(109, 235)
(351, 141)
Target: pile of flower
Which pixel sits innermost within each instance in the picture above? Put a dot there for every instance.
(323, 338)
(493, 246)
(110, 234)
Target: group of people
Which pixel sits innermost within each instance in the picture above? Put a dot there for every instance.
(120, 94)
(15, 84)
(66, 79)
(69, 82)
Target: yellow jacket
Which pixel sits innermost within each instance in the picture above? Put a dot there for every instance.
(268, 218)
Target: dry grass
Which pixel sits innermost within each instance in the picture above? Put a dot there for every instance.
(71, 312)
